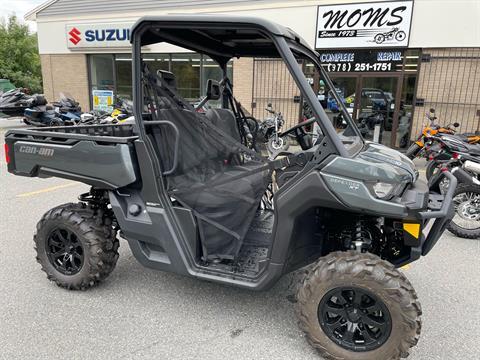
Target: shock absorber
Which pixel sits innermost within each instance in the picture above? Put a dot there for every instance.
(362, 239)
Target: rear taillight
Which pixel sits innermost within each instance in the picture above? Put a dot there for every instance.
(456, 155)
(7, 153)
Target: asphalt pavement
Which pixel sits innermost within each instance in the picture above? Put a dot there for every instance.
(138, 313)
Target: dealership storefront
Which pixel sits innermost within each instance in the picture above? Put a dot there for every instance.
(389, 60)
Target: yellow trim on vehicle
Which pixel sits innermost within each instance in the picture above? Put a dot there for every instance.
(412, 228)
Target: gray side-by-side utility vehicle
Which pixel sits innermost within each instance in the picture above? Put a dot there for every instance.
(190, 194)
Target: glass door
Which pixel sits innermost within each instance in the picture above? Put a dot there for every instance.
(375, 111)
(345, 87)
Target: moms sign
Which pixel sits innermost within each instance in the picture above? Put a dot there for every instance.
(364, 25)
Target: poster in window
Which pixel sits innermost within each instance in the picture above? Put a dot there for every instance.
(103, 100)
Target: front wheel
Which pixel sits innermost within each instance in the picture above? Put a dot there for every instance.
(466, 221)
(357, 306)
(413, 151)
(400, 36)
(276, 145)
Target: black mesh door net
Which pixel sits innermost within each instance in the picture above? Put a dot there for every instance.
(214, 174)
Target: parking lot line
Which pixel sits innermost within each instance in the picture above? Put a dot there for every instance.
(48, 189)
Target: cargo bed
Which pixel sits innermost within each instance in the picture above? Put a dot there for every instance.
(98, 155)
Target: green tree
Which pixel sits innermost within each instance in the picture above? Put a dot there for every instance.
(19, 58)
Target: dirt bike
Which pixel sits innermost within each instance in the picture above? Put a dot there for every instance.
(428, 131)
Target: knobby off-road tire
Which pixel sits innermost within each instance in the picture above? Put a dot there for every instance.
(456, 229)
(363, 272)
(91, 233)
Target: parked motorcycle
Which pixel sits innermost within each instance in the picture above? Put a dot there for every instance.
(463, 161)
(122, 113)
(14, 102)
(428, 131)
(269, 132)
(64, 112)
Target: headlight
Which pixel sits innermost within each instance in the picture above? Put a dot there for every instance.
(385, 191)
(382, 190)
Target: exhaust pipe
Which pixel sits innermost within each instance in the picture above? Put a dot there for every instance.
(472, 166)
(463, 176)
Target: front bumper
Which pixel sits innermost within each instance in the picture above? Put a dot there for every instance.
(440, 211)
(429, 213)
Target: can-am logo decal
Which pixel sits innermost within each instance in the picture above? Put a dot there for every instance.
(36, 150)
(378, 24)
(98, 35)
(74, 36)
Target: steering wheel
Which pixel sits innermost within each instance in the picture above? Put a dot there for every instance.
(304, 139)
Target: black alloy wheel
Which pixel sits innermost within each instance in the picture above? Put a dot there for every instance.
(65, 251)
(354, 318)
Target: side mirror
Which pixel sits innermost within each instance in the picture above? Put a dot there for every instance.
(432, 110)
(456, 124)
(213, 90)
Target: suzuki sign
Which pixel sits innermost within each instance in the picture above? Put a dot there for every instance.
(98, 35)
(364, 25)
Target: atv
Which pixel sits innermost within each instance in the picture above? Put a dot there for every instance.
(190, 196)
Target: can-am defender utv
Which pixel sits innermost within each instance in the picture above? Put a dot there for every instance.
(191, 195)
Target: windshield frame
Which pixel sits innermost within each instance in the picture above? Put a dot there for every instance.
(314, 58)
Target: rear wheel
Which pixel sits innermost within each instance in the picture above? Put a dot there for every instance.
(379, 38)
(466, 221)
(357, 306)
(75, 247)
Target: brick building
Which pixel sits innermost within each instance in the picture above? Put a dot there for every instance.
(404, 57)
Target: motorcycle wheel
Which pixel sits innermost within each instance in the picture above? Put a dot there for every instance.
(400, 36)
(379, 38)
(413, 151)
(275, 146)
(466, 221)
(55, 122)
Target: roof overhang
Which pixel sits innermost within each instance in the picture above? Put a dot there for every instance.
(32, 14)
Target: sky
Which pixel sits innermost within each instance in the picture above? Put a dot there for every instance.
(20, 8)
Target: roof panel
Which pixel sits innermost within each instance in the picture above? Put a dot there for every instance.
(69, 7)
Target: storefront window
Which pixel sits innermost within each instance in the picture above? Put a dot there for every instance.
(123, 69)
(114, 72)
(157, 62)
(101, 72)
(186, 67)
(211, 70)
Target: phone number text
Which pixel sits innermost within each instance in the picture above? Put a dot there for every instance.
(347, 67)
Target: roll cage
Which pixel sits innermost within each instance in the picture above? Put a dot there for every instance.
(224, 39)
